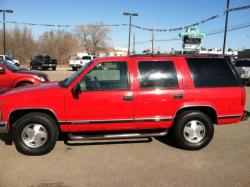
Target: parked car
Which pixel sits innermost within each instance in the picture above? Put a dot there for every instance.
(78, 61)
(9, 59)
(242, 67)
(43, 62)
(11, 76)
(127, 97)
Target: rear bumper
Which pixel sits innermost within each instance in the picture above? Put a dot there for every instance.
(49, 65)
(75, 65)
(245, 116)
(3, 127)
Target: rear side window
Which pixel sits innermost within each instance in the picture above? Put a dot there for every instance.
(211, 72)
(157, 74)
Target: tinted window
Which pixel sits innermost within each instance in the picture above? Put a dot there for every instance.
(106, 76)
(157, 74)
(211, 72)
(86, 58)
(242, 63)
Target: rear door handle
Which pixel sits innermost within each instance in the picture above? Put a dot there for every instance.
(128, 97)
(178, 96)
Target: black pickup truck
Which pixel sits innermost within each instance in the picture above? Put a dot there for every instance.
(42, 62)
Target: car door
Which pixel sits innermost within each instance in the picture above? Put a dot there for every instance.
(4, 78)
(105, 101)
(158, 93)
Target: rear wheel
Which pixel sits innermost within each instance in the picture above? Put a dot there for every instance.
(54, 68)
(193, 130)
(35, 134)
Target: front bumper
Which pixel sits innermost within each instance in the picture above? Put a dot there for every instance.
(245, 116)
(3, 127)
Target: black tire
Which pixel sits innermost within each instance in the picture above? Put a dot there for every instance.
(184, 121)
(23, 84)
(74, 68)
(35, 118)
(54, 69)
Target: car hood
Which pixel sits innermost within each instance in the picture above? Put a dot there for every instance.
(31, 88)
(31, 72)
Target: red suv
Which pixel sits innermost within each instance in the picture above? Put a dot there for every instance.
(127, 97)
(11, 76)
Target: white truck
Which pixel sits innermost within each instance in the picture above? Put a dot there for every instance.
(80, 59)
(9, 59)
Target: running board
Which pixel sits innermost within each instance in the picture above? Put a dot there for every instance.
(121, 135)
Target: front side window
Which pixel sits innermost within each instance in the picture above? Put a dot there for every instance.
(157, 74)
(106, 76)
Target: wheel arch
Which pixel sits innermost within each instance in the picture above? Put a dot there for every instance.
(16, 114)
(208, 110)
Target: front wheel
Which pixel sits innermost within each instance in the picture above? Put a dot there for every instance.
(193, 130)
(35, 134)
(54, 68)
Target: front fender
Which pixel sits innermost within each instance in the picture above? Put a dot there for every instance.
(25, 79)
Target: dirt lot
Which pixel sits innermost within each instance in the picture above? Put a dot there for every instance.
(224, 162)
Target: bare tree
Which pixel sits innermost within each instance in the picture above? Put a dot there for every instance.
(58, 44)
(20, 43)
(92, 37)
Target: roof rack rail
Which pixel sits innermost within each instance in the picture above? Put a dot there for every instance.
(177, 55)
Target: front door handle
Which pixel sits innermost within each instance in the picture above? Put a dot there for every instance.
(178, 96)
(128, 97)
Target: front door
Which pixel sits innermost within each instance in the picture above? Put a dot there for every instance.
(105, 101)
(4, 78)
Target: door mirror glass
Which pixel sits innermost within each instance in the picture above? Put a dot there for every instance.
(76, 90)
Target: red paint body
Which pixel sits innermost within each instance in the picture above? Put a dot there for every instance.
(109, 105)
(11, 79)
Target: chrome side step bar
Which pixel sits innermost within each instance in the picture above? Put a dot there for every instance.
(121, 135)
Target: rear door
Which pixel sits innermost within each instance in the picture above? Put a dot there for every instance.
(158, 92)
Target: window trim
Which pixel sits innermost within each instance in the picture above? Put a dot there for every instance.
(123, 89)
(161, 88)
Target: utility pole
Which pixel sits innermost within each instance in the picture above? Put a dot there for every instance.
(130, 21)
(4, 40)
(134, 44)
(153, 38)
(225, 31)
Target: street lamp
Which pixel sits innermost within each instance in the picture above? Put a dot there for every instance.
(130, 20)
(4, 43)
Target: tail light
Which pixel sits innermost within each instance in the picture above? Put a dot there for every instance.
(243, 93)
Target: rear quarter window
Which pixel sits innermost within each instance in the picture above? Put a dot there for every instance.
(211, 72)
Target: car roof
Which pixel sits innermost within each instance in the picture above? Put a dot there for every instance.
(150, 56)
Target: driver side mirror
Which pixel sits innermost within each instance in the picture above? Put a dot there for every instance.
(76, 90)
(2, 71)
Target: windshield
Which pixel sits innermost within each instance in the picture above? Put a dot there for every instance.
(69, 80)
(10, 66)
(86, 58)
(242, 63)
(8, 58)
